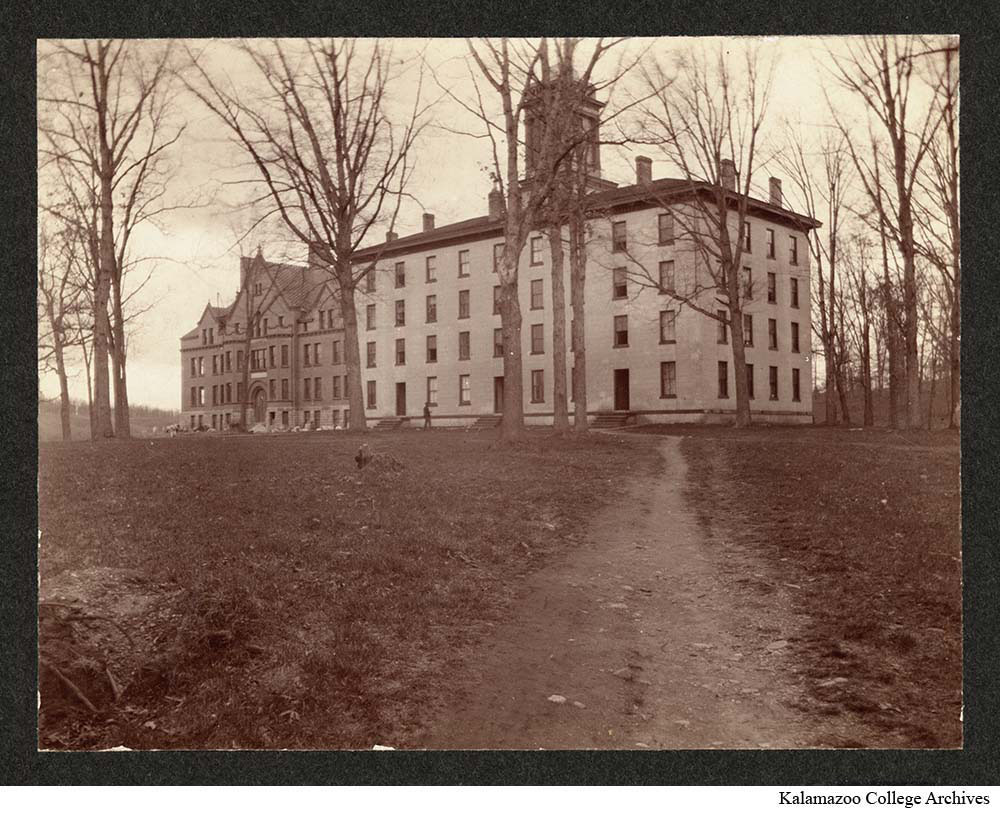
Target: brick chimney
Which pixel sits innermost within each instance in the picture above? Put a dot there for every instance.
(775, 188)
(496, 204)
(727, 174)
(643, 170)
(428, 222)
(391, 236)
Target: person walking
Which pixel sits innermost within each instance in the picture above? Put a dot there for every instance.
(427, 416)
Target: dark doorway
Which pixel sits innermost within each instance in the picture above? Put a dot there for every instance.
(259, 406)
(621, 389)
(498, 395)
(401, 399)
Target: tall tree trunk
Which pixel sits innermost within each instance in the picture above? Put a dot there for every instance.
(560, 415)
(512, 424)
(830, 386)
(352, 354)
(930, 399)
(578, 279)
(123, 429)
(866, 359)
(954, 356)
(91, 415)
(64, 406)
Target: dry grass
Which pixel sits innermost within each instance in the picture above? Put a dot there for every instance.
(278, 597)
(863, 528)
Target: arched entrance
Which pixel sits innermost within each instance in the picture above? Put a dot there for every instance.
(259, 406)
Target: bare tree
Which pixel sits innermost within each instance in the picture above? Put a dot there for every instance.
(820, 181)
(706, 115)
(523, 75)
(103, 132)
(882, 72)
(330, 154)
(939, 225)
(58, 296)
(857, 265)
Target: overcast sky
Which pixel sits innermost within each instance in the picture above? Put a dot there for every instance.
(199, 259)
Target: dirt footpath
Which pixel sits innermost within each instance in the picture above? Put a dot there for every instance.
(649, 635)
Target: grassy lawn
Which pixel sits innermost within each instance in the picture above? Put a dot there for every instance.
(263, 592)
(863, 530)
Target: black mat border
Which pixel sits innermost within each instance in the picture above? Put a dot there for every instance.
(976, 764)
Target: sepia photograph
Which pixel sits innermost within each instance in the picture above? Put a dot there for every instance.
(499, 393)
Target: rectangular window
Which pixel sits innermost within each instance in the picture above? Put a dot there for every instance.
(497, 257)
(723, 379)
(215, 395)
(747, 330)
(400, 274)
(284, 389)
(201, 366)
(665, 228)
(537, 338)
(401, 351)
(794, 293)
(317, 389)
(371, 394)
(770, 242)
(747, 283)
(272, 389)
(538, 386)
(432, 348)
(747, 244)
(619, 283)
(400, 312)
(270, 357)
(336, 388)
(536, 250)
(239, 392)
(284, 356)
(239, 359)
(668, 380)
(793, 250)
(668, 330)
(316, 360)
(430, 268)
(322, 319)
(463, 303)
(432, 390)
(796, 387)
(619, 241)
(194, 396)
(215, 364)
(666, 276)
(305, 355)
(307, 389)
(329, 318)
(371, 354)
(335, 352)
(722, 331)
(463, 345)
(464, 390)
(229, 361)
(621, 330)
(229, 392)
(463, 263)
(432, 309)
(496, 300)
(795, 337)
(772, 334)
(370, 316)
(772, 376)
(498, 342)
(536, 294)
(370, 280)
(750, 380)
(194, 366)
(214, 427)
(772, 288)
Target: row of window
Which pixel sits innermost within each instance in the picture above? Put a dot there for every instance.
(722, 335)
(772, 382)
(665, 235)
(310, 419)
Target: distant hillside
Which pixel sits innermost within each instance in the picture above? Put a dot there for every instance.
(143, 420)
(880, 405)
